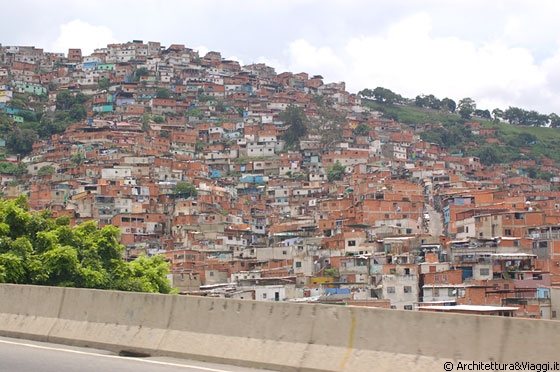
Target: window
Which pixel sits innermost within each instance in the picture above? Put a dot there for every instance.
(451, 292)
(298, 264)
(407, 271)
(407, 289)
(484, 272)
(264, 296)
(390, 289)
(436, 278)
(351, 243)
(408, 307)
(508, 232)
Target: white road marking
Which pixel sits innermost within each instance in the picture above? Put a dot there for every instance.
(113, 356)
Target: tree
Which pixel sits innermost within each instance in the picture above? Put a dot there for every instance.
(142, 71)
(362, 129)
(163, 93)
(146, 123)
(5, 124)
(466, 108)
(384, 95)
(148, 274)
(335, 171)
(17, 103)
(522, 140)
(514, 115)
(485, 114)
(64, 100)
(21, 140)
(46, 170)
(7, 168)
(328, 124)
(535, 119)
(185, 189)
(80, 98)
(298, 125)
(12, 268)
(199, 146)
(77, 112)
(429, 101)
(366, 93)
(20, 169)
(195, 112)
(76, 160)
(332, 272)
(420, 101)
(52, 86)
(221, 106)
(158, 119)
(447, 104)
(28, 115)
(554, 120)
(35, 249)
(103, 83)
(497, 114)
(488, 155)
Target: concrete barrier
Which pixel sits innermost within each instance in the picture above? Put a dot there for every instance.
(280, 336)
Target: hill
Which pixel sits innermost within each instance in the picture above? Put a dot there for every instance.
(503, 142)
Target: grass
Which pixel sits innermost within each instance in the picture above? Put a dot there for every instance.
(413, 115)
(546, 140)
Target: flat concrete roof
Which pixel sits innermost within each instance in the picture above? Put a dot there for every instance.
(479, 308)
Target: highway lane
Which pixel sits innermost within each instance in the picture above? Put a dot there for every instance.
(17, 355)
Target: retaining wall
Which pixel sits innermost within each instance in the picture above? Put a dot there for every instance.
(274, 335)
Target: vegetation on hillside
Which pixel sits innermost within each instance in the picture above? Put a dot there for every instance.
(37, 249)
(519, 134)
(297, 123)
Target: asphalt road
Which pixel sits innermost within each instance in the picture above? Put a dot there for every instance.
(27, 356)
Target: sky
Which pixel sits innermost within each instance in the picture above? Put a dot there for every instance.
(500, 53)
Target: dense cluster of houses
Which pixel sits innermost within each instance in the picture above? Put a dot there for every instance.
(409, 226)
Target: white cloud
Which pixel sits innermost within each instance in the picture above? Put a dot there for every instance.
(202, 50)
(304, 57)
(500, 53)
(278, 66)
(80, 34)
(407, 59)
